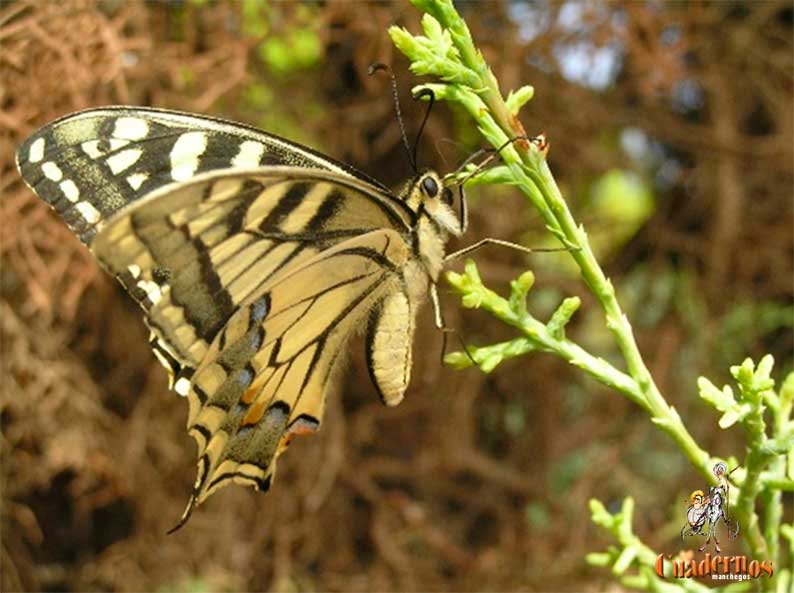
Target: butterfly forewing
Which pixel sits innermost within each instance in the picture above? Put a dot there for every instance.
(90, 164)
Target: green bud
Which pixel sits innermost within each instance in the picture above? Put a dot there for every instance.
(458, 360)
(599, 514)
(472, 300)
(765, 366)
(491, 362)
(627, 513)
(518, 292)
(598, 559)
(472, 272)
(625, 559)
(524, 282)
(518, 98)
(403, 40)
(455, 279)
(562, 316)
(721, 400)
(744, 373)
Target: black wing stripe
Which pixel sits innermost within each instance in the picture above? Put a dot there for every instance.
(324, 335)
(291, 200)
(262, 484)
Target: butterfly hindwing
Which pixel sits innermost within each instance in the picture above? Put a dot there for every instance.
(266, 374)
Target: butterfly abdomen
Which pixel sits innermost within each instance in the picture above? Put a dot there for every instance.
(389, 338)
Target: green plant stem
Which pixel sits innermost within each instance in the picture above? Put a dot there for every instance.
(771, 494)
(774, 482)
(745, 504)
(448, 53)
(534, 179)
(661, 412)
(543, 339)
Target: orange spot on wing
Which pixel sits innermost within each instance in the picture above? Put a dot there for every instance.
(301, 429)
(254, 414)
(250, 394)
(296, 429)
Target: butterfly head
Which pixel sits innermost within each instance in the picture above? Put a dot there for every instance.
(427, 196)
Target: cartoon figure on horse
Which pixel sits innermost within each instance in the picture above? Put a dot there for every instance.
(706, 510)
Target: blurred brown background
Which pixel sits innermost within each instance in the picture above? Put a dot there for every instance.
(671, 132)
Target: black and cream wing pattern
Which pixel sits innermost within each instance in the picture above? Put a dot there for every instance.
(254, 260)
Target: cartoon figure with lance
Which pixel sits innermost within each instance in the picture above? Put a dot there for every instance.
(707, 510)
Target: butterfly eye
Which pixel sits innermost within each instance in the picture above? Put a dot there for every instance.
(446, 195)
(430, 186)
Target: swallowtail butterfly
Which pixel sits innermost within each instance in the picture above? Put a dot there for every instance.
(254, 260)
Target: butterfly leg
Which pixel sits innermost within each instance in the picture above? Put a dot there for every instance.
(445, 331)
(491, 241)
(439, 319)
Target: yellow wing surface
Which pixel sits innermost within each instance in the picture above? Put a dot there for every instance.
(252, 281)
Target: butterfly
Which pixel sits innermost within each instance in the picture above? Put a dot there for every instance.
(255, 259)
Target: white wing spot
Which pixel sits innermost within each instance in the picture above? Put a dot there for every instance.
(152, 291)
(182, 386)
(124, 160)
(52, 171)
(130, 128)
(249, 154)
(36, 152)
(70, 190)
(91, 148)
(185, 155)
(136, 180)
(88, 212)
(134, 270)
(164, 361)
(116, 143)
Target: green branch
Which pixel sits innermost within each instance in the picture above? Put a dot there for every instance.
(446, 52)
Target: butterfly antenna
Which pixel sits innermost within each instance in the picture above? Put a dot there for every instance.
(492, 154)
(423, 93)
(376, 68)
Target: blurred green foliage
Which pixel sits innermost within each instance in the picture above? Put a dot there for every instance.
(287, 51)
(748, 323)
(537, 516)
(568, 470)
(300, 48)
